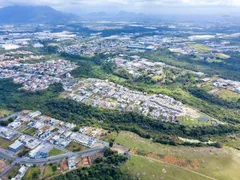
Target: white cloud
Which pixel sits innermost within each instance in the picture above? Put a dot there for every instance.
(128, 5)
(127, 2)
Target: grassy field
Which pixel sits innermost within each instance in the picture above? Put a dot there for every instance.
(12, 173)
(55, 152)
(4, 112)
(32, 173)
(147, 169)
(48, 171)
(201, 47)
(207, 88)
(30, 131)
(156, 78)
(229, 95)
(73, 146)
(213, 162)
(194, 122)
(5, 143)
(222, 56)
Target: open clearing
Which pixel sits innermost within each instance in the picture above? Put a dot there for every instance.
(4, 143)
(30, 131)
(213, 162)
(73, 146)
(4, 113)
(32, 173)
(147, 169)
(12, 173)
(200, 47)
(229, 95)
(48, 171)
(55, 152)
(3, 165)
(222, 56)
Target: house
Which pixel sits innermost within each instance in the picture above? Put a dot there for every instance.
(72, 163)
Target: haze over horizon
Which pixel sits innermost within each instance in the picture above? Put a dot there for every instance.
(152, 7)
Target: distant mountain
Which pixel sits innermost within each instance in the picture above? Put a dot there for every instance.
(130, 15)
(98, 14)
(34, 14)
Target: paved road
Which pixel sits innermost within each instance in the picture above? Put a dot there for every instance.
(11, 116)
(39, 162)
(42, 141)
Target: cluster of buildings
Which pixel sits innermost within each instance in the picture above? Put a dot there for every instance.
(39, 76)
(40, 134)
(14, 57)
(21, 36)
(227, 84)
(106, 45)
(138, 66)
(7, 134)
(98, 45)
(106, 94)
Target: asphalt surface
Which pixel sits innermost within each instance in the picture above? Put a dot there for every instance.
(55, 159)
(11, 116)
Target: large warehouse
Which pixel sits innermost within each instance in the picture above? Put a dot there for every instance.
(16, 146)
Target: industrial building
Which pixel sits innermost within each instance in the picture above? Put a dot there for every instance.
(16, 146)
(41, 151)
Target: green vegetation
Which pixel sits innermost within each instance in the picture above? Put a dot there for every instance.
(68, 110)
(190, 122)
(50, 170)
(32, 173)
(180, 87)
(55, 152)
(213, 162)
(23, 152)
(99, 171)
(75, 147)
(105, 168)
(13, 172)
(30, 131)
(207, 88)
(229, 96)
(4, 143)
(146, 169)
(5, 113)
(201, 47)
(48, 102)
(226, 69)
(17, 100)
(5, 123)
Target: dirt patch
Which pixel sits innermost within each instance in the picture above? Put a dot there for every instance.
(45, 128)
(93, 157)
(64, 165)
(133, 150)
(195, 164)
(3, 165)
(174, 160)
(84, 162)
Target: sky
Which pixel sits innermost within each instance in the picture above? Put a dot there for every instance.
(224, 7)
